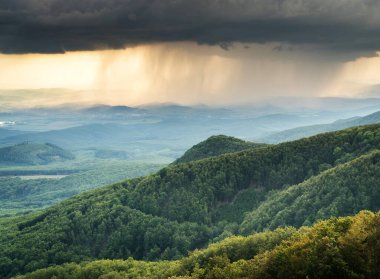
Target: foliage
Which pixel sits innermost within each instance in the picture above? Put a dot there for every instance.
(346, 247)
(343, 190)
(94, 225)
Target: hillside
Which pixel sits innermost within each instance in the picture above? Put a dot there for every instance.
(340, 191)
(215, 146)
(307, 131)
(33, 154)
(337, 248)
(181, 207)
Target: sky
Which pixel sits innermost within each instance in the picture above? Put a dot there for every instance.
(211, 51)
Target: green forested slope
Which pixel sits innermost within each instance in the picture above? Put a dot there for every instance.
(33, 154)
(95, 225)
(182, 207)
(215, 146)
(346, 247)
(343, 190)
(199, 190)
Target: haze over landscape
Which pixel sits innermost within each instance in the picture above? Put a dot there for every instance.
(189, 139)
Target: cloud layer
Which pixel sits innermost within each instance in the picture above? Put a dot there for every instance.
(351, 27)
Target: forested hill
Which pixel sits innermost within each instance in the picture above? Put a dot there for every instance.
(33, 154)
(337, 248)
(343, 190)
(215, 146)
(185, 206)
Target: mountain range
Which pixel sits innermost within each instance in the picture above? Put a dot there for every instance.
(164, 132)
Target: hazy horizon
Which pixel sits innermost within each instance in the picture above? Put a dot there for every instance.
(61, 97)
(186, 74)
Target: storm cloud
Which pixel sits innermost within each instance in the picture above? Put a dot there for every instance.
(55, 26)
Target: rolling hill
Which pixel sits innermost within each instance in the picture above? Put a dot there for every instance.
(33, 154)
(343, 190)
(307, 131)
(183, 207)
(215, 146)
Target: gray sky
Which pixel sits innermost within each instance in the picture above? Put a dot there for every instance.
(54, 26)
(190, 51)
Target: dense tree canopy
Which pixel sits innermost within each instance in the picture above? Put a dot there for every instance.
(337, 248)
(343, 190)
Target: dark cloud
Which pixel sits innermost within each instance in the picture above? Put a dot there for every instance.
(53, 26)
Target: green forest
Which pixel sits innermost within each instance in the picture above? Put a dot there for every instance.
(252, 213)
(346, 247)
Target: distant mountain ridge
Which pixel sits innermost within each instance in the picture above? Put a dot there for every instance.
(168, 130)
(307, 131)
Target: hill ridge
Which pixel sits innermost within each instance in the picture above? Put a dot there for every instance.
(214, 146)
(33, 154)
(311, 130)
